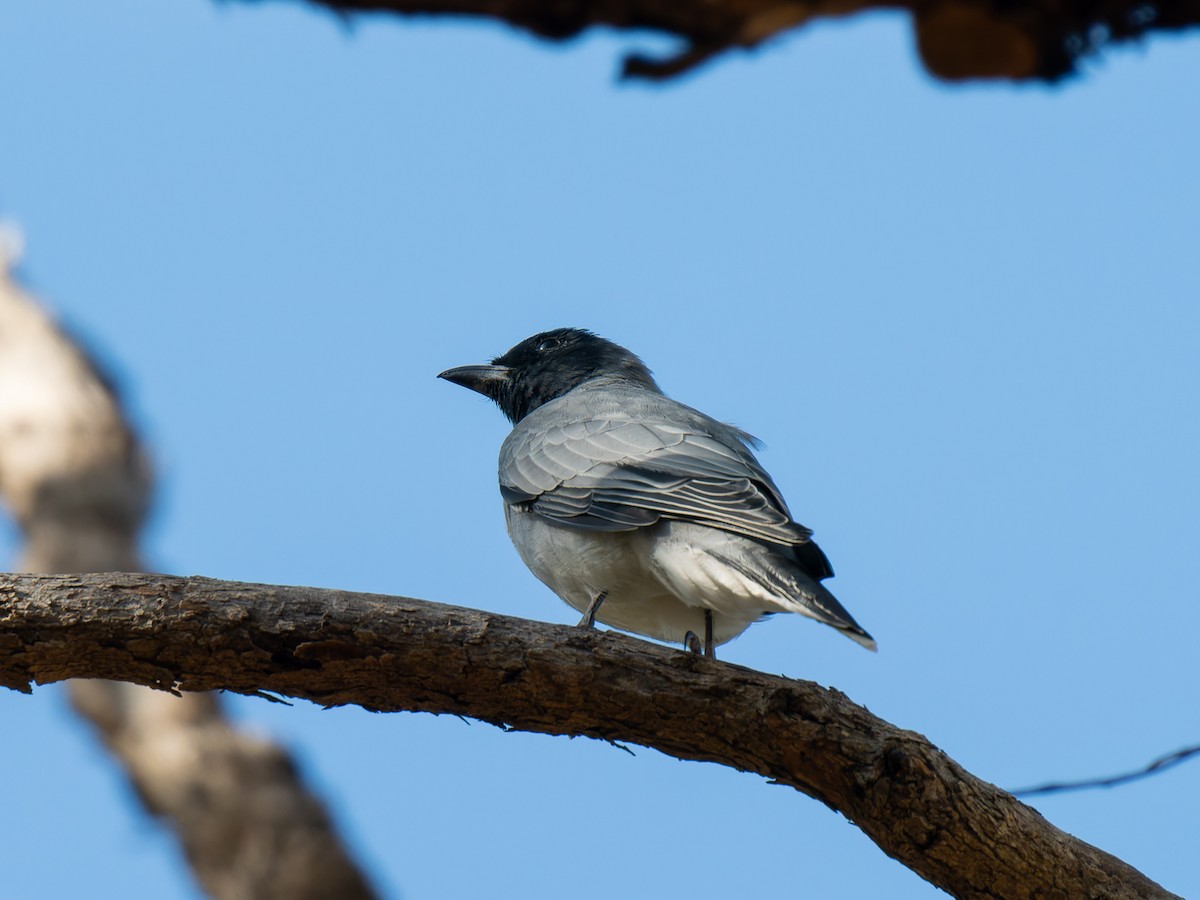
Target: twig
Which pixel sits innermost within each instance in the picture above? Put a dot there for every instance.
(1163, 762)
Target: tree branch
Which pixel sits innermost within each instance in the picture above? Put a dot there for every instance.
(394, 653)
(1166, 761)
(78, 482)
(957, 39)
(248, 824)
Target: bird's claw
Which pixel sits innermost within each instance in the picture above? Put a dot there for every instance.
(706, 647)
(589, 616)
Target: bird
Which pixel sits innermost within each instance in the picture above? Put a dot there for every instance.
(638, 511)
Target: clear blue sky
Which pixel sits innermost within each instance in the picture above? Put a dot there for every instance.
(965, 321)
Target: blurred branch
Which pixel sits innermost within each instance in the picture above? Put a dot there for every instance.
(394, 653)
(77, 481)
(957, 39)
(1168, 761)
(249, 826)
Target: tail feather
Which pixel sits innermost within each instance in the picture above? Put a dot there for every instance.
(786, 580)
(819, 603)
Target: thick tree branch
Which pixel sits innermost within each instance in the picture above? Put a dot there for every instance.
(248, 824)
(77, 481)
(957, 39)
(394, 653)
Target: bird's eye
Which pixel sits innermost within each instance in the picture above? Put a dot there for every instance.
(547, 344)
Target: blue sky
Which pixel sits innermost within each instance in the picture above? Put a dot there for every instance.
(963, 320)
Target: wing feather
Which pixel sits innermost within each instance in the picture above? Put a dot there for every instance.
(611, 473)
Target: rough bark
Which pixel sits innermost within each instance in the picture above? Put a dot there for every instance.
(76, 480)
(957, 39)
(394, 653)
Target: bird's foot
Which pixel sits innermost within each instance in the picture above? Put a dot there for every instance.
(589, 617)
(692, 642)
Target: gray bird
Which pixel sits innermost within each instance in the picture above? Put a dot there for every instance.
(638, 511)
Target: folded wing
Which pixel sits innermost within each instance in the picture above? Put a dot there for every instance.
(617, 474)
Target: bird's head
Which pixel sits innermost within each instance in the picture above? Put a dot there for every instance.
(546, 366)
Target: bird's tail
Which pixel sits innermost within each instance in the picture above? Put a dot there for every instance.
(816, 601)
(786, 580)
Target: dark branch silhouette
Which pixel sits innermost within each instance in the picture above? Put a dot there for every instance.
(1161, 764)
(957, 39)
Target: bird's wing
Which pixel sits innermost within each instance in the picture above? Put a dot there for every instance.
(618, 474)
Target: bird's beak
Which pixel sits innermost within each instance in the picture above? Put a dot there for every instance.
(477, 378)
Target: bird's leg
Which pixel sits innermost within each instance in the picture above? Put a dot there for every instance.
(589, 617)
(692, 642)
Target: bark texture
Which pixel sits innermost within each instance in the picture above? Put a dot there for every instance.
(957, 39)
(76, 480)
(394, 653)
